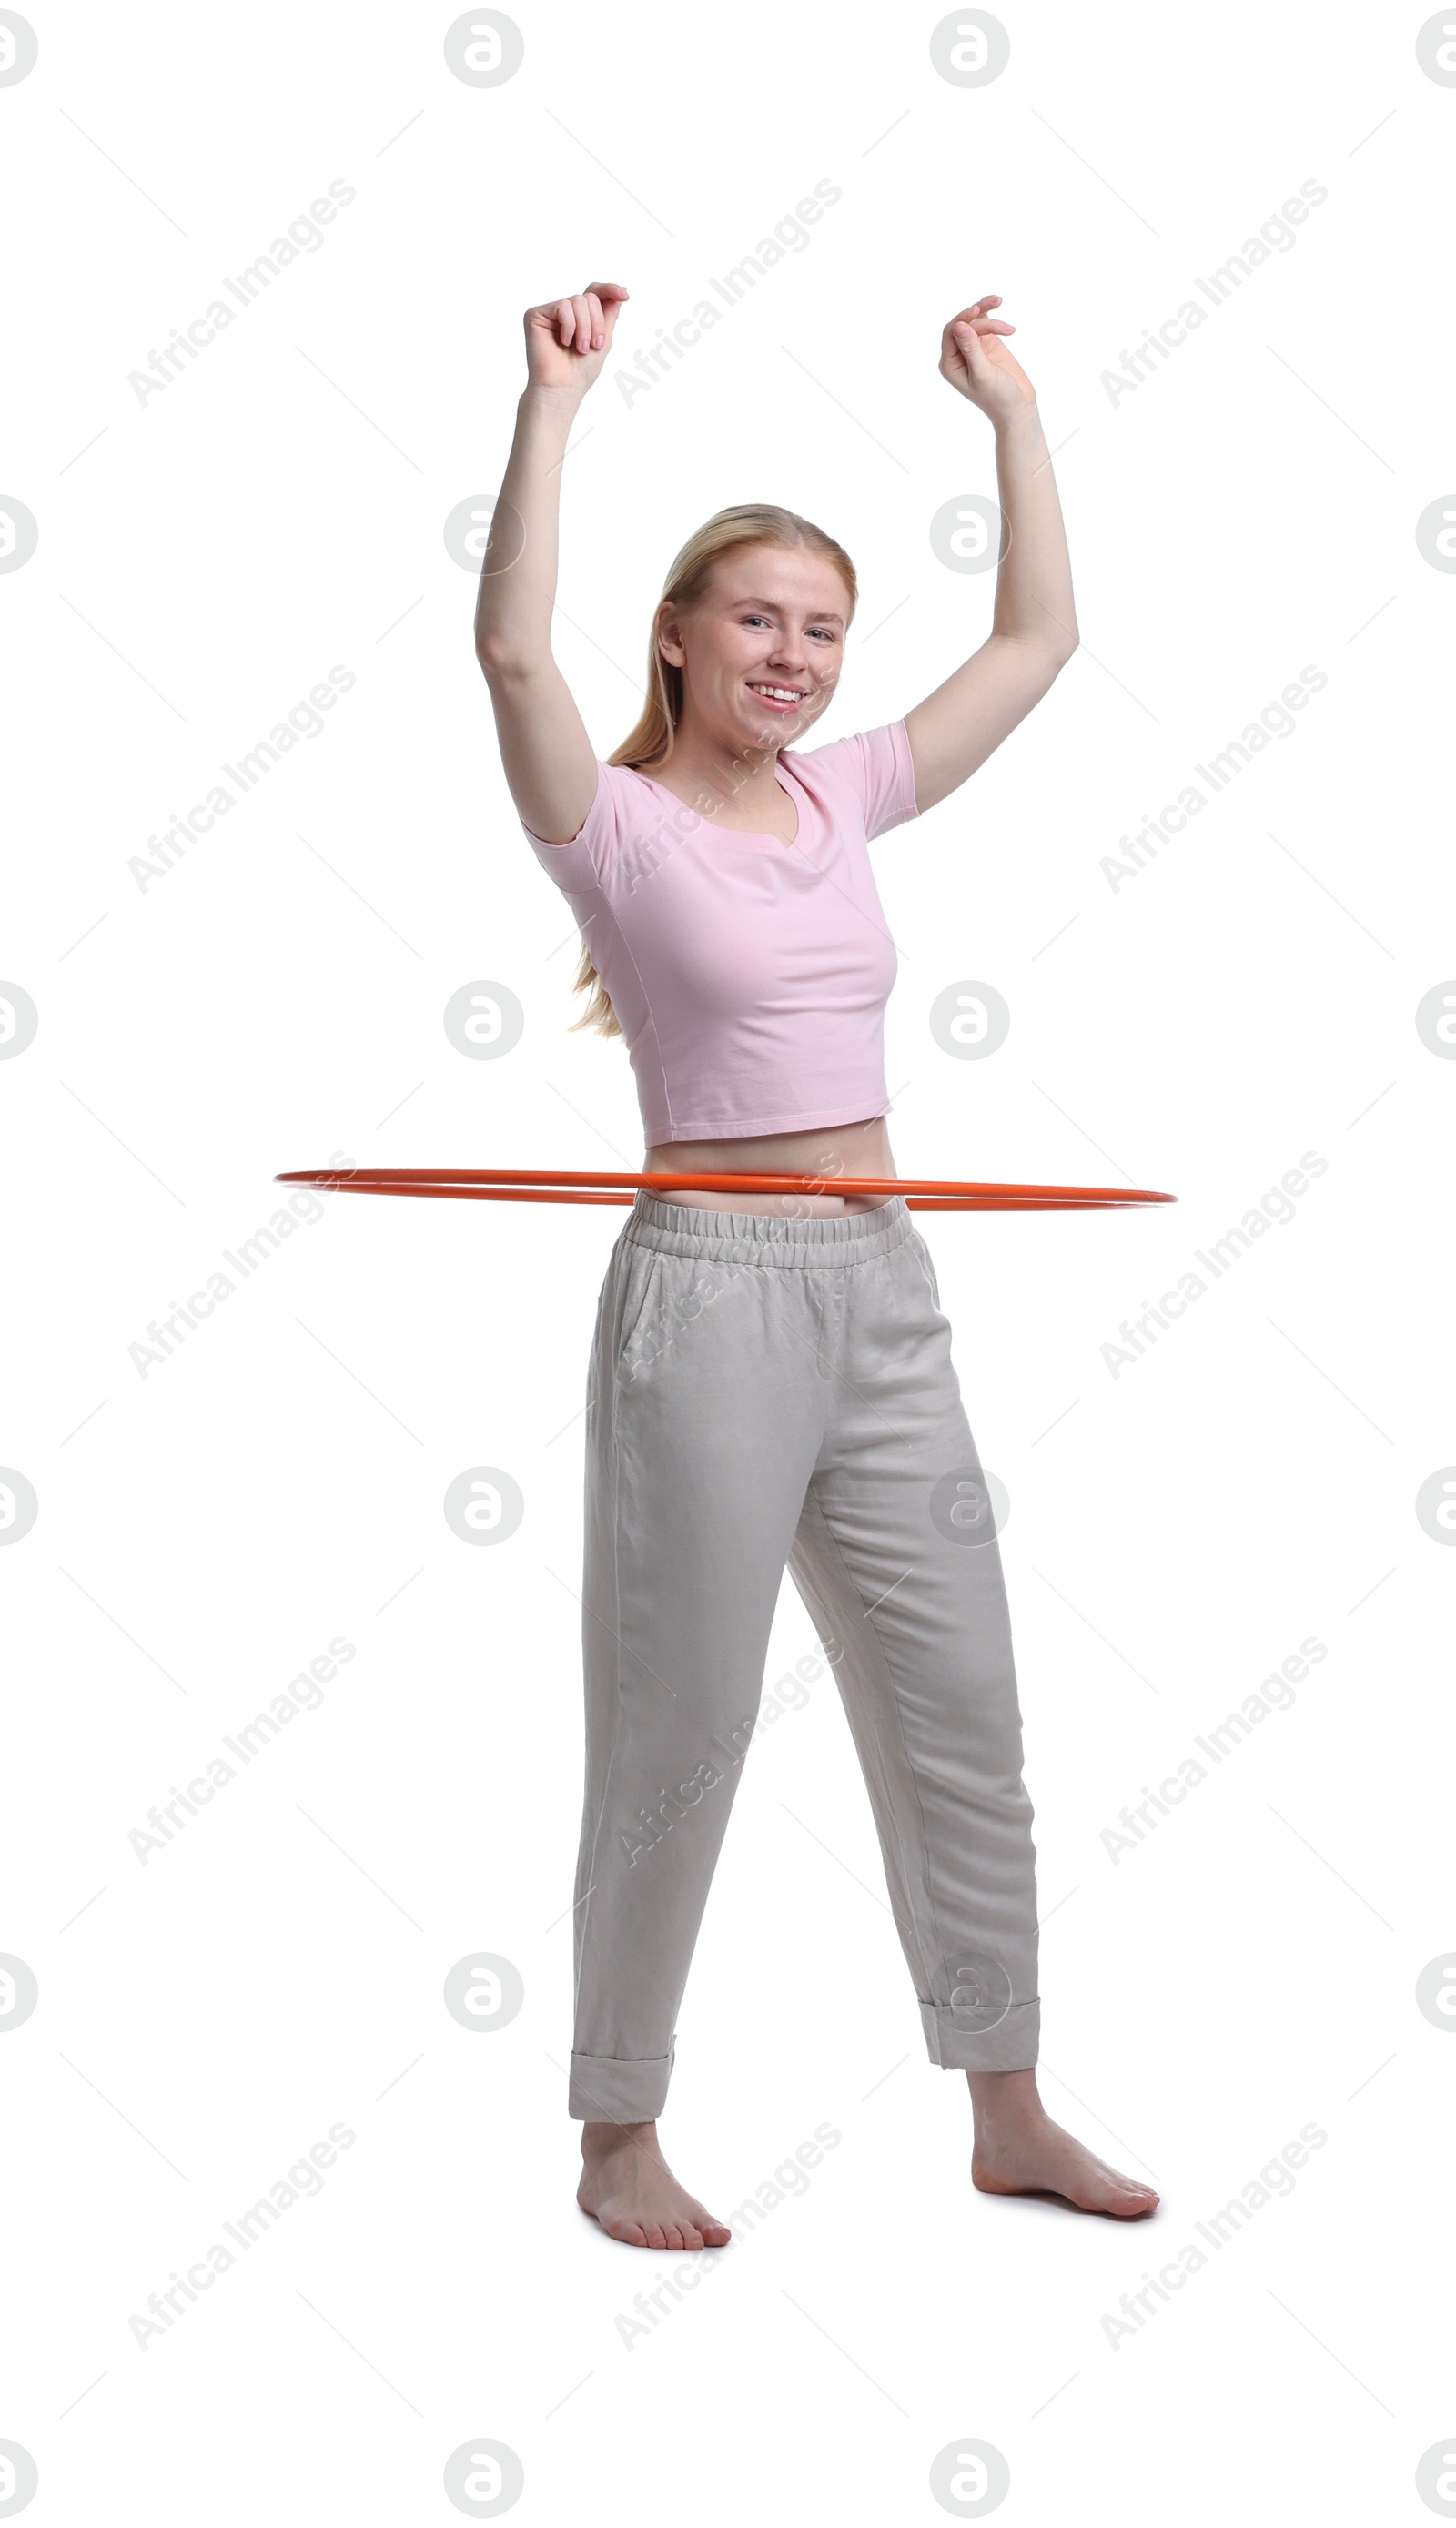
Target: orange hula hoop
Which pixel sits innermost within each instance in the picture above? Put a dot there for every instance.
(596, 1185)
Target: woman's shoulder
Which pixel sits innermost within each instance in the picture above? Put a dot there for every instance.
(620, 782)
(621, 836)
(631, 788)
(844, 756)
(870, 771)
(620, 791)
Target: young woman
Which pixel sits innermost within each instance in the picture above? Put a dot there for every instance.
(771, 1379)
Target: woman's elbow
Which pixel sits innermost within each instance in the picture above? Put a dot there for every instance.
(499, 657)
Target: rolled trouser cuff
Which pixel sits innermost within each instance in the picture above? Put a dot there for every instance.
(606, 2090)
(958, 2044)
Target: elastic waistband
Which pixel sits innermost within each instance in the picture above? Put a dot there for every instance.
(750, 1237)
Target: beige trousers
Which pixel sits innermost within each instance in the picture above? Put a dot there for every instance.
(770, 1391)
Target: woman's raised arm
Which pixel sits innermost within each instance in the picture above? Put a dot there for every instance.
(1034, 628)
(547, 754)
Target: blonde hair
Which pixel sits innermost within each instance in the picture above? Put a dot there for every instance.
(650, 742)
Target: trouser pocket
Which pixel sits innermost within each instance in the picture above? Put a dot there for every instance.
(632, 1315)
(923, 1258)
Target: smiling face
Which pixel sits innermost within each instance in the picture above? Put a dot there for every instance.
(760, 650)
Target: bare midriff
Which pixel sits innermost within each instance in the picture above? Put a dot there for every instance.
(824, 1157)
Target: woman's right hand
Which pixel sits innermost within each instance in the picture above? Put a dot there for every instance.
(567, 340)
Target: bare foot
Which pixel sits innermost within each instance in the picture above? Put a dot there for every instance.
(1020, 2151)
(628, 2186)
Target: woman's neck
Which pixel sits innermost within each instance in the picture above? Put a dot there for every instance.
(707, 776)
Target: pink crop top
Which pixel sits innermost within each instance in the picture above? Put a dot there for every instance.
(749, 977)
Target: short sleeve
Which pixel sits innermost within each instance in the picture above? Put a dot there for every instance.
(575, 865)
(876, 767)
(622, 837)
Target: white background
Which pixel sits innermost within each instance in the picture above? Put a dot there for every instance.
(1175, 1530)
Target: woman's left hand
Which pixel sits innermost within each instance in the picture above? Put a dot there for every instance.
(974, 360)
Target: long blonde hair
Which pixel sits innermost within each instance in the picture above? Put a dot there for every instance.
(650, 742)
